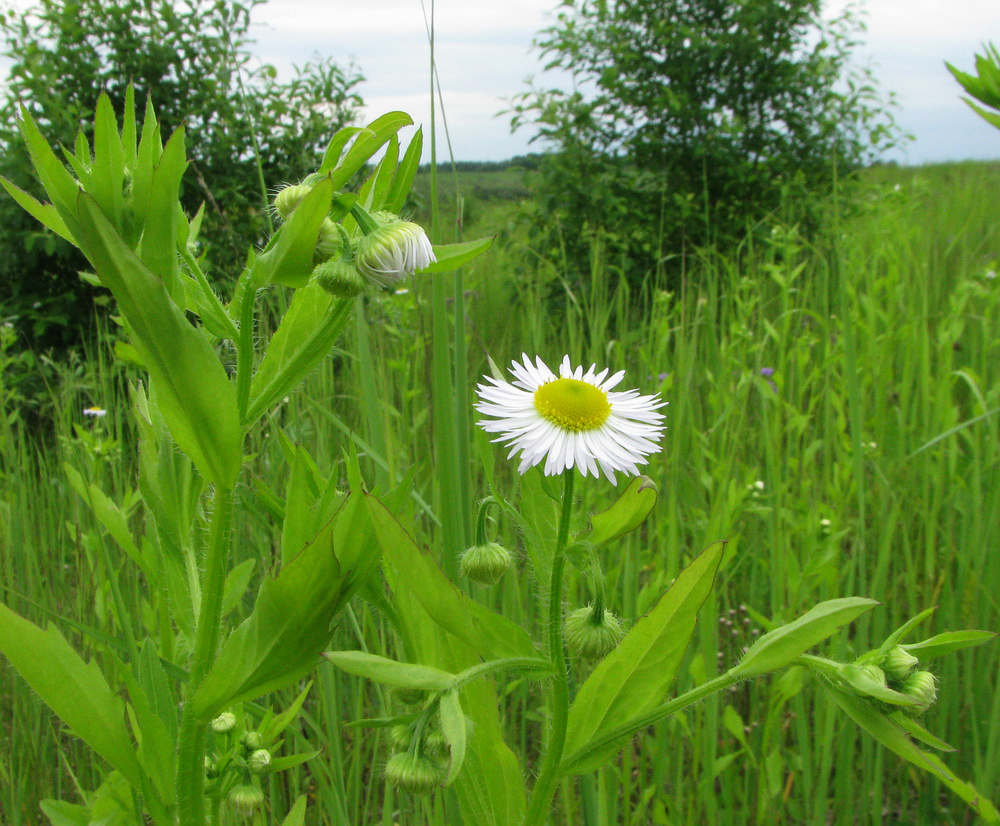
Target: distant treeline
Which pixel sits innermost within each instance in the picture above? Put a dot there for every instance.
(525, 162)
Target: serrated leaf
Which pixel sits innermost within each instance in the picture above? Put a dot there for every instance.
(635, 677)
(193, 392)
(780, 647)
(281, 641)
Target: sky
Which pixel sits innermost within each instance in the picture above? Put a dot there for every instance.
(485, 58)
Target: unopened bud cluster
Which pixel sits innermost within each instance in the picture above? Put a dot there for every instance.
(894, 681)
(242, 757)
(417, 766)
(486, 563)
(384, 252)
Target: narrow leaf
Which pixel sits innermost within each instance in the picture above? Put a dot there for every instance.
(454, 731)
(452, 256)
(288, 258)
(390, 672)
(627, 513)
(946, 643)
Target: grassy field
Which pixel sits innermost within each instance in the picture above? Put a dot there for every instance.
(832, 413)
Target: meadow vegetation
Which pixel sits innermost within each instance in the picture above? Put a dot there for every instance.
(832, 414)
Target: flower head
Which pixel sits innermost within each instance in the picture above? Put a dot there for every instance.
(394, 250)
(571, 420)
(95, 412)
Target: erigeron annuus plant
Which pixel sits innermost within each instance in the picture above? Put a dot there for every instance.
(118, 202)
(174, 715)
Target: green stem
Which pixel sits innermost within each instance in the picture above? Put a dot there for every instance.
(191, 746)
(545, 786)
(529, 664)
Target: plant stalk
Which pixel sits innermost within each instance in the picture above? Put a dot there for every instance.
(545, 786)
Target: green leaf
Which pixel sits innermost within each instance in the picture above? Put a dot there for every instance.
(192, 390)
(288, 258)
(395, 198)
(862, 681)
(634, 678)
(297, 814)
(60, 186)
(158, 248)
(306, 335)
(453, 729)
(946, 643)
(61, 813)
(627, 513)
(452, 256)
(335, 148)
(76, 691)
(280, 764)
(281, 641)
(237, 581)
(108, 170)
(366, 144)
(488, 633)
(894, 738)
(45, 214)
(390, 672)
(280, 722)
(780, 647)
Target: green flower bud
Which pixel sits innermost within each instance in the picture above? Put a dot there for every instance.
(898, 663)
(485, 564)
(394, 250)
(211, 767)
(922, 687)
(260, 761)
(333, 238)
(246, 799)
(339, 278)
(590, 636)
(224, 723)
(251, 741)
(400, 737)
(435, 746)
(288, 198)
(414, 773)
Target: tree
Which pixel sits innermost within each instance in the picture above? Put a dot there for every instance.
(191, 57)
(693, 118)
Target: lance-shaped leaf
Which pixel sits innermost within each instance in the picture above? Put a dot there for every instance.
(366, 144)
(894, 738)
(288, 258)
(627, 513)
(452, 256)
(453, 728)
(946, 643)
(391, 672)
(779, 647)
(281, 641)
(45, 214)
(488, 633)
(634, 678)
(75, 690)
(196, 398)
(305, 336)
(395, 198)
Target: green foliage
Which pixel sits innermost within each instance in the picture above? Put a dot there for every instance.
(192, 58)
(690, 122)
(984, 86)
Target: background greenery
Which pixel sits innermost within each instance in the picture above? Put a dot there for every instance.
(881, 336)
(832, 371)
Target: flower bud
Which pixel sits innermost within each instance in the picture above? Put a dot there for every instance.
(246, 799)
(224, 723)
(590, 636)
(414, 773)
(485, 564)
(211, 767)
(332, 240)
(392, 251)
(898, 663)
(260, 761)
(400, 737)
(339, 278)
(251, 741)
(288, 198)
(922, 687)
(435, 746)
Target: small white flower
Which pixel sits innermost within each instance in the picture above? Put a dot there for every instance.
(94, 412)
(393, 251)
(571, 420)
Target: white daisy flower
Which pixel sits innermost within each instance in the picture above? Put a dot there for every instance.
(571, 420)
(393, 251)
(94, 412)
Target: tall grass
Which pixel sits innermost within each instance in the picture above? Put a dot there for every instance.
(862, 461)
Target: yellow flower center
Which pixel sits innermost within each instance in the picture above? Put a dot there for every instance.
(572, 404)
